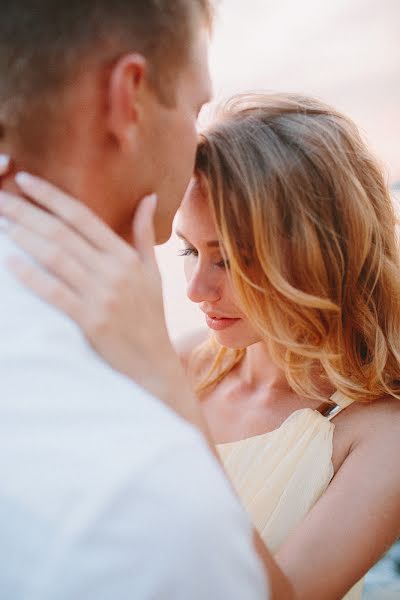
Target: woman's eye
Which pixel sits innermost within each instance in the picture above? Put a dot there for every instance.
(223, 264)
(188, 252)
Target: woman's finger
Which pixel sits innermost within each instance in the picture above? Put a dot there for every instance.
(73, 212)
(5, 164)
(47, 287)
(42, 223)
(53, 259)
(143, 228)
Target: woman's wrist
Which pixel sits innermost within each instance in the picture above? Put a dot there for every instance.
(177, 392)
(165, 378)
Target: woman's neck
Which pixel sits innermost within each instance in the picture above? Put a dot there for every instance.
(257, 369)
(257, 372)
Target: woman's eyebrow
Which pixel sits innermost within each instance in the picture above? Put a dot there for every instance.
(210, 244)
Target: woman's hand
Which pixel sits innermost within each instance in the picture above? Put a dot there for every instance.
(112, 290)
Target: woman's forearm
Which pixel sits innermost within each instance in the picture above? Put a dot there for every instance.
(280, 586)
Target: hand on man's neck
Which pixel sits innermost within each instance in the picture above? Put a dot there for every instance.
(74, 173)
(56, 174)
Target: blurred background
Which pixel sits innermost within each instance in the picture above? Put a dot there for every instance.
(346, 52)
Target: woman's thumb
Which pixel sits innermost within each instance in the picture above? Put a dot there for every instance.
(143, 227)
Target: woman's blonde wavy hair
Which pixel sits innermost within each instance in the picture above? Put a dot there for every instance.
(308, 225)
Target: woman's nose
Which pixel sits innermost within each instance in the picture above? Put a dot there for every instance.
(202, 287)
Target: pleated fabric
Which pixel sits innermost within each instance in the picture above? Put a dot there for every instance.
(280, 475)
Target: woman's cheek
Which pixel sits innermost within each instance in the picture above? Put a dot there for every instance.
(188, 268)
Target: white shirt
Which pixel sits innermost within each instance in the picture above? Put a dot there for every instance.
(105, 494)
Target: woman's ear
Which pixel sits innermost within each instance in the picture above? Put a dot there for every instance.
(127, 86)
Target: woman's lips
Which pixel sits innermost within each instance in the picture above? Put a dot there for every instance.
(220, 324)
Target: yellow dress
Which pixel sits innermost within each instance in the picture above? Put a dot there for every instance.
(280, 475)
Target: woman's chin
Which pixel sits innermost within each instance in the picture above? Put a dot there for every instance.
(234, 342)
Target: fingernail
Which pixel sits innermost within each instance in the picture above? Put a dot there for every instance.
(153, 198)
(23, 178)
(4, 161)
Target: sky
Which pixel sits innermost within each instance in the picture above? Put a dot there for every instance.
(346, 52)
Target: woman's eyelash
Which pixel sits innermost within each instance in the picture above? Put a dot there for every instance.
(187, 252)
(223, 264)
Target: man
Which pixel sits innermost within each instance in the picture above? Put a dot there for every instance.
(104, 492)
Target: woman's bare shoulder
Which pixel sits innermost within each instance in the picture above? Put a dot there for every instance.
(383, 416)
(189, 342)
(365, 425)
(366, 421)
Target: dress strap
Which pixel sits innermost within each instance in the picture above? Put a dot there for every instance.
(341, 403)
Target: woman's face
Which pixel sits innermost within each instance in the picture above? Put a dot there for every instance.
(207, 274)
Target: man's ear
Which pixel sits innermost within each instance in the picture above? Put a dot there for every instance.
(126, 88)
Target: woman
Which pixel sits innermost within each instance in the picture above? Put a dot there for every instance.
(290, 245)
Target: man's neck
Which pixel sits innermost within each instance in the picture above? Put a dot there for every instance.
(76, 175)
(66, 178)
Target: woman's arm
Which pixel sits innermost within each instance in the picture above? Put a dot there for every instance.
(357, 519)
(110, 289)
